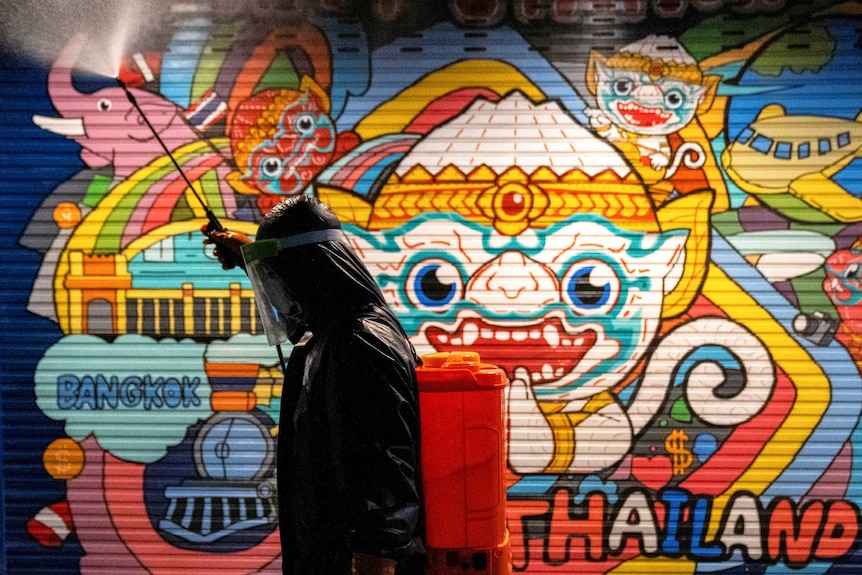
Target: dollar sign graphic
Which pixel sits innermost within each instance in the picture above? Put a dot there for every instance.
(62, 462)
(675, 445)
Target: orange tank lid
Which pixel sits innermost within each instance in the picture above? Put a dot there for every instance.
(458, 371)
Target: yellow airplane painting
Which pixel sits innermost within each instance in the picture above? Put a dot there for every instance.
(789, 162)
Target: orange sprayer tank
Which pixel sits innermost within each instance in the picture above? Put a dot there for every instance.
(463, 464)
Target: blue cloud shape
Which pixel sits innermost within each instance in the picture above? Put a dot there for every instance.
(136, 395)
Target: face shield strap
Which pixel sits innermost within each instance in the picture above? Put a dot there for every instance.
(268, 248)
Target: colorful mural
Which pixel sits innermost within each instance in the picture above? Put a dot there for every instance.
(658, 241)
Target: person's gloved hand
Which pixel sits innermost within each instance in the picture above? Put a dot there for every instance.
(227, 246)
(364, 564)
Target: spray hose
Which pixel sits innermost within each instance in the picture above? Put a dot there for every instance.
(214, 223)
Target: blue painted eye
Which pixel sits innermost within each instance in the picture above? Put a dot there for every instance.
(623, 86)
(674, 98)
(270, 166)
(434, 284)
(304, 123)
(590, 287)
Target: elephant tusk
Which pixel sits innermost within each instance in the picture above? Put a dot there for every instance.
(70, 127)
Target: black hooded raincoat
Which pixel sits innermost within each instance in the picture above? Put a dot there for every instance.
(348, 449)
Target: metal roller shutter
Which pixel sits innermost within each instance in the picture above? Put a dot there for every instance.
(646, 213)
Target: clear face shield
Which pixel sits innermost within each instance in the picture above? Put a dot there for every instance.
(279, 312)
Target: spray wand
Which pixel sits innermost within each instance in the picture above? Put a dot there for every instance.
(214, 223)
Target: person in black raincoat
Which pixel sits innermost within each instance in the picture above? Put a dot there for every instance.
(349, 488)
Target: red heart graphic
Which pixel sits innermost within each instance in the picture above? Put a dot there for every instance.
(653, 473)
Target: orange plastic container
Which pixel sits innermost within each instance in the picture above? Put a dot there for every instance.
(463, 463)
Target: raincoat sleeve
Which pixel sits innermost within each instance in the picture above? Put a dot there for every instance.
(379, 415)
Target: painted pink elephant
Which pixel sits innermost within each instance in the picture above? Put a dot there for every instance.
(106, 125)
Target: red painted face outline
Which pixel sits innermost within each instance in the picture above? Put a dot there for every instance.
(843, 284)
(304, 146)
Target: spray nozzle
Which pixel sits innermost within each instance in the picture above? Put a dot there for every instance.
(127, 78)
(129, 94)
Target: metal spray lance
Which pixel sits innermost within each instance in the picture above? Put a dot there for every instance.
(214, 223)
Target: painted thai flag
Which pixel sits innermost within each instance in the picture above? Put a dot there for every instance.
(207, 111)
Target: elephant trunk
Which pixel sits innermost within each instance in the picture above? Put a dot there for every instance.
(60, 88)
(63, 95)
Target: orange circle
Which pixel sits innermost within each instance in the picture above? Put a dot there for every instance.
(67, 215)
(63, 458)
